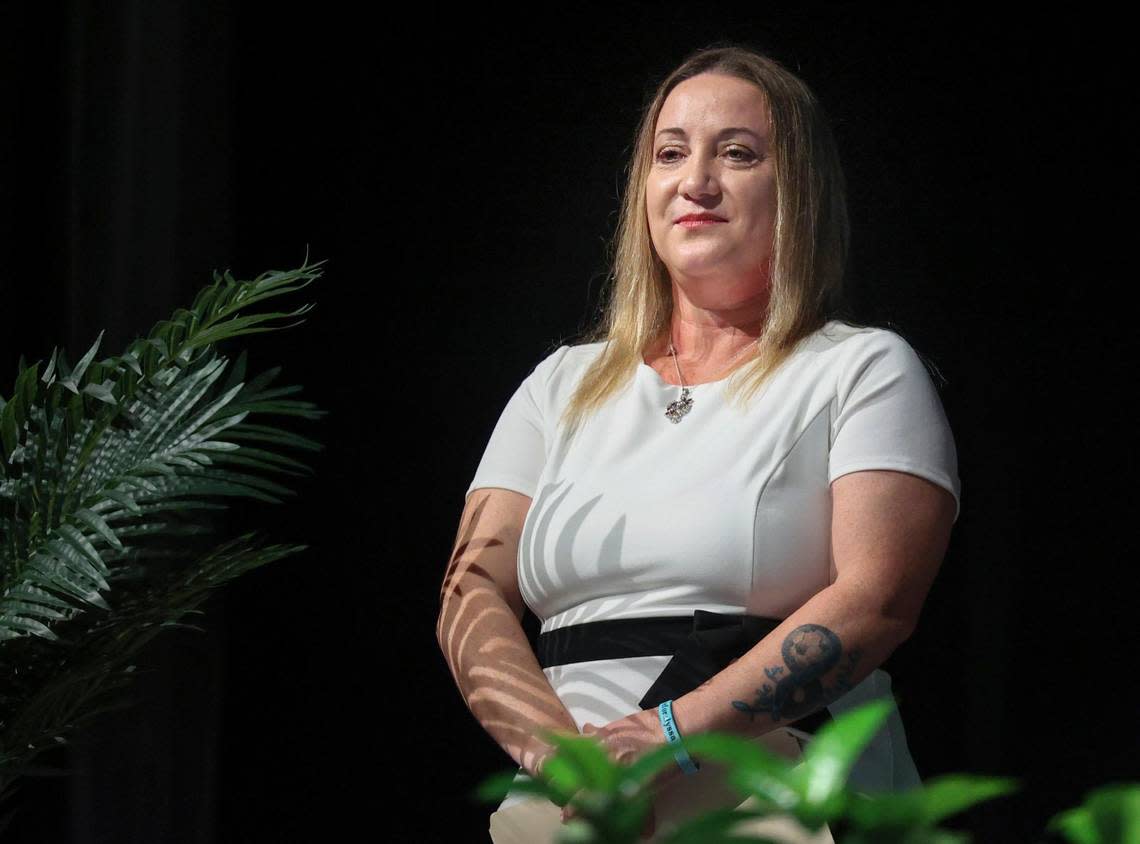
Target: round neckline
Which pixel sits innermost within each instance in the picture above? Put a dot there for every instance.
(657, 375)
(663, 383)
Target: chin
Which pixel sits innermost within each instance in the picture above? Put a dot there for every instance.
(700, 259)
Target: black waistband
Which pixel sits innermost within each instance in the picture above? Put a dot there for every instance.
(701, 644)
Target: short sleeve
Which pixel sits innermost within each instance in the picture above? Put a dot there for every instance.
(889, 416)
(516, 452)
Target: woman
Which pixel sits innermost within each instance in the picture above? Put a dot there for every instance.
(726, 497)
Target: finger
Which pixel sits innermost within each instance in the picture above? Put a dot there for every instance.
(568, 811)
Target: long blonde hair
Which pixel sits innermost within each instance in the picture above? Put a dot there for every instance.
(809, 250)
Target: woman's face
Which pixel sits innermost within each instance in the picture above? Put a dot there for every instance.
(711, 155)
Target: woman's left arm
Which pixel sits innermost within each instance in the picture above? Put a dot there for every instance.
(890, 531)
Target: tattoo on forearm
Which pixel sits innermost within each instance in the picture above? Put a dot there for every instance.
(810, 652)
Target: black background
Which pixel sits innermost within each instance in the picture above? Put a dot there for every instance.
(460, 173)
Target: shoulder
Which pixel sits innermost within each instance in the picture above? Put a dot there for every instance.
(570, 358)
(856, 349)
(851, 339)
(857, 361)
(564, 366)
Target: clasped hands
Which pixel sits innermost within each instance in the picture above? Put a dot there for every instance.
(626, 740)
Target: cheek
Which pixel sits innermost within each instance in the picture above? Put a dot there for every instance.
(761, 192)
(763, 212)
(653, 199)
(656, 207)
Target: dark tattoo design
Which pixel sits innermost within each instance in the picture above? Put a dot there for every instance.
(810, 652)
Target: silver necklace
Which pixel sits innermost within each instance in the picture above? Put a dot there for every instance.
(676, 410)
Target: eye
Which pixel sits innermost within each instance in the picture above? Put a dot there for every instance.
(667, 155)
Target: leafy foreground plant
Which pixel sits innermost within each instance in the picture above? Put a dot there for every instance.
(1109, 815)
(105, 469)
(612, 800)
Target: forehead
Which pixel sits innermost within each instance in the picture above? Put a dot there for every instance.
(709, 100)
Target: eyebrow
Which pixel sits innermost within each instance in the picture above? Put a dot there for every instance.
(732, 130)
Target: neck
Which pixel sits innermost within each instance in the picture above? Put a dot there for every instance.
(712, 338)
(709, 348)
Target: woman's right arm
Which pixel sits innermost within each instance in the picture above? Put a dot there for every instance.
(481, 636)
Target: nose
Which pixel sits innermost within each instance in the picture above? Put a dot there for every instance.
(699, 178)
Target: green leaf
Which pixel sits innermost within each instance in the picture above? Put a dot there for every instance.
(49, 373)
(919, 835)
(829, 757)
(90, 456)
(72, 380)
(715, 826)
(1116, 812)
(1110, 813)
(950, 794)
(584, 756)
(753, 769)
(564, 777)
(923, 806)
(1076, 824)
(579, 831)
(735, 750)
(104, 392)
(643, 769)
(99, 525)
(627, 813)
(778, 791)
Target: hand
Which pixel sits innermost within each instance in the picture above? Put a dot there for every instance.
(626, 740)
(538, 751)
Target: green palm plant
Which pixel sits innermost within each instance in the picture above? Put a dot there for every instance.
(108, 471)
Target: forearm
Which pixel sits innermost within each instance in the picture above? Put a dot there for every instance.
(817, 654)
(497, 672)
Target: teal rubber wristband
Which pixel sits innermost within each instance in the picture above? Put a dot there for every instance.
(669, 727)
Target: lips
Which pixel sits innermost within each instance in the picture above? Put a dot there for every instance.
(706, 217)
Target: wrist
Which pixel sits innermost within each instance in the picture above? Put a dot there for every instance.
(686, 715)
(538, 750)
(673, 736)
(534, 756)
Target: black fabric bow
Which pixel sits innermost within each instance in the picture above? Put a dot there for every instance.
(700, 645)
(714, 641)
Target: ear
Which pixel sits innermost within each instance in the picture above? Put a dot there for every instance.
(588, 729)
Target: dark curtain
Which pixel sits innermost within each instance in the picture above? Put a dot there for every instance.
(461, 170)
(130, 130)
(120, 146)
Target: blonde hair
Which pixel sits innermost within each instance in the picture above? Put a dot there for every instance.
(810, 239)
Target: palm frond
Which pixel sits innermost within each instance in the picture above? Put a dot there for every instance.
(105, 449)
(109, 471)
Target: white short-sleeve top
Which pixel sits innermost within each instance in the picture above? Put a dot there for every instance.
(728, 510)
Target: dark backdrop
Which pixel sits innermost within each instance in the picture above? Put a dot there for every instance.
(461, 175)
